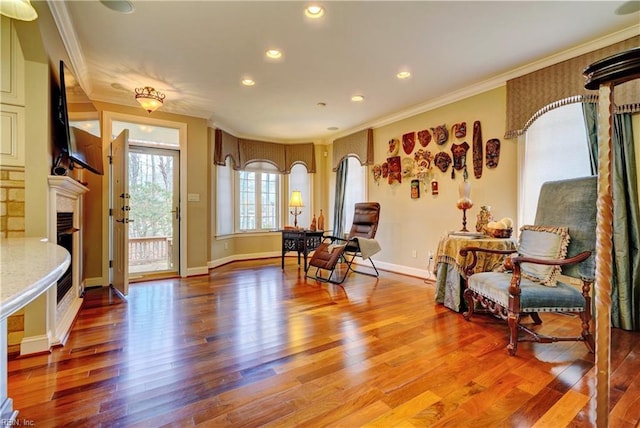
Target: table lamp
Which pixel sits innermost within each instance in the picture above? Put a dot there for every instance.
(296, 202)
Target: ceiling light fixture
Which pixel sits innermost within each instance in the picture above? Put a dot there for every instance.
(314, 11)
(248, 82)
(357, 98)
(18, 9)
(122, 6)
(628, 7)
(149, 98)
(403, 75)
(274, 53)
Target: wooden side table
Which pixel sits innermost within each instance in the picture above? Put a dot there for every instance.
(301, 241)
(450, 264)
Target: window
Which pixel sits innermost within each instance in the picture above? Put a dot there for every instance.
(224, 199)
(555, 148)
(300, 179)
(258, 199)
(355, 191)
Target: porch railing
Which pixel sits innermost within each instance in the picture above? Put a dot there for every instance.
(151, 249)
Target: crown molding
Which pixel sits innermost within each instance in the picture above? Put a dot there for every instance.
(496, 81)
(62, 19)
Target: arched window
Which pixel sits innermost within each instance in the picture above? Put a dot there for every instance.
(555, 148)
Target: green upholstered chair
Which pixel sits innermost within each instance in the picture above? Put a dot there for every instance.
(545, 274)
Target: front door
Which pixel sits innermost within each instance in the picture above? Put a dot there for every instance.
(120, 212)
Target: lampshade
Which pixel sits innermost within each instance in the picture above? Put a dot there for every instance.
(18, 9)
(149, 98)
(296, 199)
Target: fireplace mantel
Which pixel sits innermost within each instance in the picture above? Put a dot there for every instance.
(65, 195)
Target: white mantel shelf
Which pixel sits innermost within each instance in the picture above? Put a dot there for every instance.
(28, 268)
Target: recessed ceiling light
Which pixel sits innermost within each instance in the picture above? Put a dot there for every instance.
(274, 53)
(314, 11)
(403, 75)
(332, 128)
(122, 6)
(248, 82)
(357, 98)
(321, 104)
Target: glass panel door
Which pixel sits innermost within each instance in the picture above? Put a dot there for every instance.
(154, 210)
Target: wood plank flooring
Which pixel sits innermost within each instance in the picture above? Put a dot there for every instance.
(251, 345)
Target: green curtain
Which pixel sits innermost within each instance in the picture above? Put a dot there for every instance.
(341, 186)
(625, 293)
(590, 113)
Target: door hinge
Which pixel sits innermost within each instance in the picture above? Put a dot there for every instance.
(110, 263)
(110, 212)
(110, 160)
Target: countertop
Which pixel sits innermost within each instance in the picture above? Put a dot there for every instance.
(28, 266)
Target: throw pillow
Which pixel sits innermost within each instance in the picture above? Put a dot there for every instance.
(543, 242)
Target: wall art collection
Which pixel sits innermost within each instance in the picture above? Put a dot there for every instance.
(423, 164)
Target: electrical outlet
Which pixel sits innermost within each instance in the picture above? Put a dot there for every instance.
(226, 245)
(414, 254)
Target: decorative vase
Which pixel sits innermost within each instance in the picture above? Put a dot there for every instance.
(483, 218)
(313, 224)
(320, 224)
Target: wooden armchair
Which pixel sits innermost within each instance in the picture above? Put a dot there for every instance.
(552, 270)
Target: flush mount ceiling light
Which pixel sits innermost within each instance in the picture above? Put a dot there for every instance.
(274, 53)
(149, 98)
(18, 9)
(122, 6)
(248, 82)
(357, 98)
(628, 7)
(314, 11)
(403, 75)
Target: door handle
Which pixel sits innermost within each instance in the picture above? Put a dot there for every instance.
(177, 212)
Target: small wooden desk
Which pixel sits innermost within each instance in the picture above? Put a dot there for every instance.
(449, 265)
(302, 241)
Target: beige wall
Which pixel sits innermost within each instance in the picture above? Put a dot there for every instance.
(408, 225)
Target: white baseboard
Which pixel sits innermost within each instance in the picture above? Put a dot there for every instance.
(93, 282)
(202, 270)
(63, 326)
(34, 344)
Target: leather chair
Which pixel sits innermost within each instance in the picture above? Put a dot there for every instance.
(546, 274)
(358, 243)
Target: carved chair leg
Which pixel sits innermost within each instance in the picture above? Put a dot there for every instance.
(514, 323)
(586, 333)
(468, 297)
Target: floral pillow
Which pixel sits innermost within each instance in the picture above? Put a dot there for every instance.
(543, 242)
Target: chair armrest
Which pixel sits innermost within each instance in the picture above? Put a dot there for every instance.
(469, 269)
(552, 262)
(514, 287)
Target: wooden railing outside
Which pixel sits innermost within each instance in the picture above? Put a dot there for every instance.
(151, 249)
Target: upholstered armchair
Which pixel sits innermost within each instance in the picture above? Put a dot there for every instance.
(552, 269)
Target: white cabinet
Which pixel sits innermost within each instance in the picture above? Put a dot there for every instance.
(12, 97)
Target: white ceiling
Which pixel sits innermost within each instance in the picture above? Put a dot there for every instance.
(197, 52)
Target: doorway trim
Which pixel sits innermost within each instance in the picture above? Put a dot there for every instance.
(107, 121)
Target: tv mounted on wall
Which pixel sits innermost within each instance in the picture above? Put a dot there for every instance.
(76, 148)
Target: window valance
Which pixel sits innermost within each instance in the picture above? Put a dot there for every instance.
(531, 95)
(243, 152)
(358, 144)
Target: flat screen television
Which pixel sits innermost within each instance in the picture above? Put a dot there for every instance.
(76, 148)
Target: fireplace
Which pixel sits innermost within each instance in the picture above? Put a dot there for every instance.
(65, 232)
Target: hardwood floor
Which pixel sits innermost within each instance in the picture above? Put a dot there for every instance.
(252, 345)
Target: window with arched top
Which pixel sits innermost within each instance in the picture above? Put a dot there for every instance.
(555, 148)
